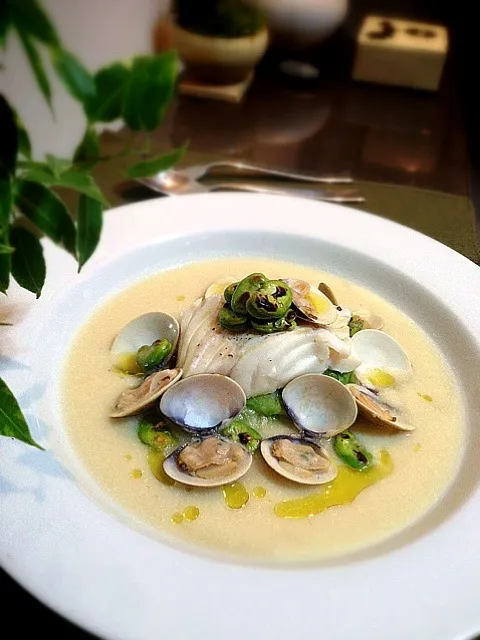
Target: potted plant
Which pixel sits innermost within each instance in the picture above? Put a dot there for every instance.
(219, 41)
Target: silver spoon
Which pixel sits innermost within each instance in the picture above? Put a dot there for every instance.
(176, 183)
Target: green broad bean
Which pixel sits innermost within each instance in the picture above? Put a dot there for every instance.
(244, 289)
(149, 357)
(231, 320)
(271, 301)
(351, 451)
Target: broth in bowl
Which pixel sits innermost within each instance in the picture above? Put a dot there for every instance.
(262, 409)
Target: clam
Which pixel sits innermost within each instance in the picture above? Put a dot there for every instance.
(384, 362)
(144, 330)
(210, 462)
(202, 403)
(376, 410)
(133, 401)
(319, 406)
(384, 365)
(298, 459)
(310, 303)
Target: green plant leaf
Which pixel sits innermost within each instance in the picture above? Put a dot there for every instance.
(5, 211)
(110, 84)
(8, 138)
(88, 150)
(47, 212)
(5, 20)
(12, 420)
(57, 165)
(155, 165)
(28, 263)
(71, 179)
(24, 144)
(36, 64)
(76, 79)
(89, 228)
(5, 248)
(6, 204)
(5, 267)
(149, 91)
(29, 17)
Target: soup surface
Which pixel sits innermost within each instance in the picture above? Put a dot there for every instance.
(424, 461)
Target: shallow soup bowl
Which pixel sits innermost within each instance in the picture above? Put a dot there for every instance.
(69, 543)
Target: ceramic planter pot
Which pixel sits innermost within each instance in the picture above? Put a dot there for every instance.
(219, 60)
(303, 23)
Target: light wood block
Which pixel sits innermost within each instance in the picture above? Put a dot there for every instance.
(400, 52)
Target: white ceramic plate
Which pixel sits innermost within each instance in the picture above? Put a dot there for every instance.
(80, 556)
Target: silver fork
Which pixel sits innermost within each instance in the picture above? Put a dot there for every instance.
(171, 184)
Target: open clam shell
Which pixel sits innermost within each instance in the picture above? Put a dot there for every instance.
(224, 463)
(318, 405)
(378, 412)
(201, 403)
(310, 303)
(380, 354)
(133, 401)
(298, 459)
(144, 330)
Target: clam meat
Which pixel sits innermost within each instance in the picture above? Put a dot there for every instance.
(298, 459)
(133, 401)
(211, 462)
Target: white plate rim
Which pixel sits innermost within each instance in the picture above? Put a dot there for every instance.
(33, 560)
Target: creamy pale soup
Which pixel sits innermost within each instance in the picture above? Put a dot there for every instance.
(264, 515)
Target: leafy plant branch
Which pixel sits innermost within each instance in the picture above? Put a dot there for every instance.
(136, 92)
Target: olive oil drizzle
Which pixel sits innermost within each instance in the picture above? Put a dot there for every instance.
(340, 491)
(235, 494)
(155, 462)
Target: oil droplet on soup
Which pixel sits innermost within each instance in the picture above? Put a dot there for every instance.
(235, 494)
(259, 492)
(343, 490)
(136, 474)
(177, 518)
(191, 513)
(155, 462)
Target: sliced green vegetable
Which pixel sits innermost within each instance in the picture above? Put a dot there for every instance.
(355, 324)
(344, 378)
(149, 357)
(245, 288)
(229, 291)
(287, 323)
(231, 320)
(271, 301)
(240, 431)
(155, 435)
(351, 451)
(270, 404)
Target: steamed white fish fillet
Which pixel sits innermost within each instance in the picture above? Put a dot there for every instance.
(204, 346)
(271, 364)
(340, 325)
(259, 363)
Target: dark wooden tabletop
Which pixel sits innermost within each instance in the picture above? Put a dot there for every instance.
(331, 125)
